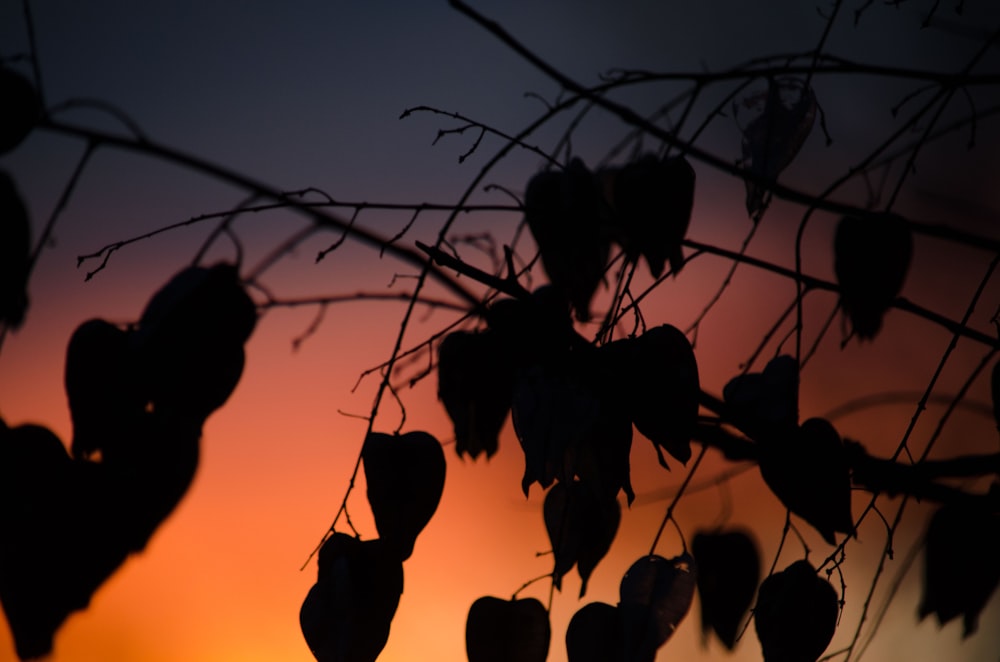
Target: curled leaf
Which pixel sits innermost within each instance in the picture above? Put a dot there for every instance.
(765, 404)
(655, 595)
(581, 525)
(796, 614)
(514, 630)
(728, 573)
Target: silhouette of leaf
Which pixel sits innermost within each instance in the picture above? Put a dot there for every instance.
(475, 381)
(347, 613)
(809, 472)
(995, 392)
(960, 565)
(532, 330)
(653, 199)
(765, 403)
(15, 251)
(189, 341)
(405, 475)
(20, 111)
(796, 614)
(595, 634)
(655, 594)
(773, 138)
(563, 210)
(728, 573)
(104, 394)
(581, 526)
(871, 258)
(514, 630)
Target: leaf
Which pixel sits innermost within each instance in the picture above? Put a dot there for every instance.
(728, 573)
(347, 613)
(809, 473)
(514, 630)
(563, 211)
(189, 341)
(595, 634)
(871, 258)
(15, 251)
(475, 383)
(796, 614)
(581, 526)
(20, 111)
(995, 392)
(653, 199)
(960, 563)
(765, 404)
(405, 476)
(655, 595)
(773, 138)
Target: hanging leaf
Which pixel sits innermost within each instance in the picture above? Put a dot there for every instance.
(655, 594)
(563, 211)
(796, 614)
(405, 475)
(766, 403)
(995, 392)
(514, 630)
(809, 473)
(20, 110)
(728, 573)
(871, 258)
(532, 330)
(653, 199)
(581, 526)
(189, 341)
(15, 252)
(771, 140)
(475, 381)
(595, 634)
(960, 563)
(347, 613)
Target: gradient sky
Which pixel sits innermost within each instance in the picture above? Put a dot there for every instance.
(309, 94)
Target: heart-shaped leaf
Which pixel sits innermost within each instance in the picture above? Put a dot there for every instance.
(655, 594)
(347, 613)
(514, 630)
(15, 250)
(475, 381)
(796, 614)
(960, 563)
(405, 475)
(871, 257)
(809, 473)
(563, 211)
(728, 573)
(653, 199)
(595, 634)
(581, 525)
(787, 111)
(766, 403)
(20, 111)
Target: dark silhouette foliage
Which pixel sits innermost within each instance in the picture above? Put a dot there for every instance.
(728, 575)
(581, 524)
(656, 593)
(795, 615)
(20, 109)
(515, 630)
(15, 254)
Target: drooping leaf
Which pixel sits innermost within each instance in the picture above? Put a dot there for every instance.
(20, 109)
(581, 525)
(532, 330)
(653, 199)
(189, 341)
(515, 630)
(405, 476)
(655, 594)
(475, 381)
(728, 574)
(347, 613)
(15, 252)
(595, 634)
(995, 392)
(563, 211)
(871, 257)
(796, 614)
(766, 403)
(809, 472)
(787, 111)
(960, 564)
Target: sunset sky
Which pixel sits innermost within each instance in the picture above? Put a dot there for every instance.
(309, 94)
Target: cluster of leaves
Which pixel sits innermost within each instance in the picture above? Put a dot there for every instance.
(138, 399)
